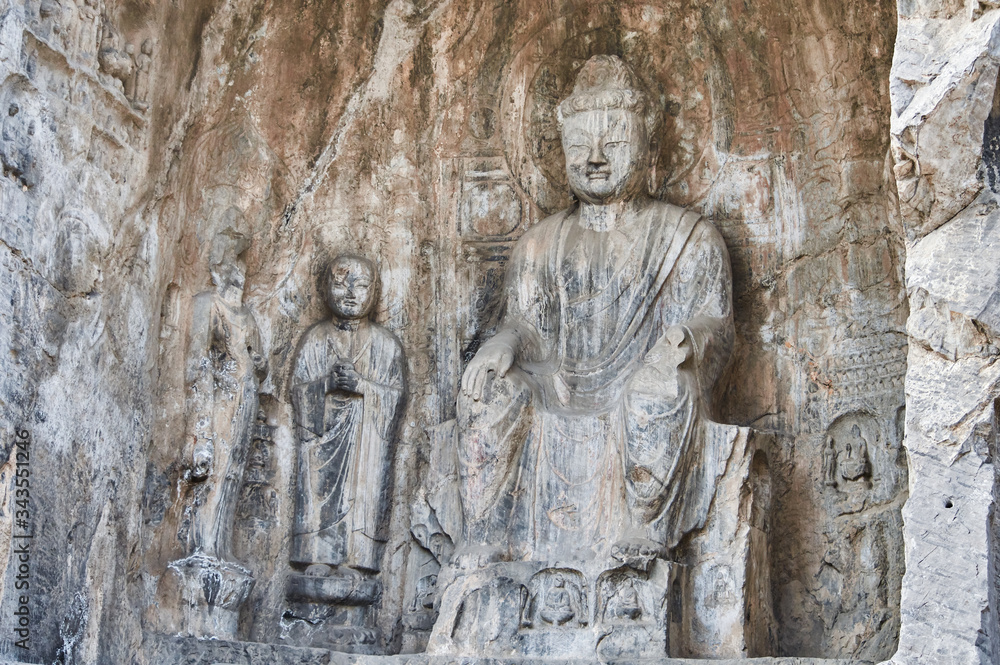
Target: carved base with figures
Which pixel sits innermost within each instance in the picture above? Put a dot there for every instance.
(707, 598)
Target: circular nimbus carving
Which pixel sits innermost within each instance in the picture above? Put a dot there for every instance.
(492, 208)
(483, 123)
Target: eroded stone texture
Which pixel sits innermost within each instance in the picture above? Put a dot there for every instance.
(423, 134)
(943, 91)
(79, 256)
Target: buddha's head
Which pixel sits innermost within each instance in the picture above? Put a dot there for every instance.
(349, 285)
(226, 263)
(608, 123)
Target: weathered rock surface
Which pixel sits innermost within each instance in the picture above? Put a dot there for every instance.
(944, 103)
(829, 143)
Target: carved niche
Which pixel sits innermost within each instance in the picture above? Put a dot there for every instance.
(865, 477)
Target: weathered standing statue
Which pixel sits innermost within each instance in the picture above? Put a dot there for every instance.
(140, 85)
(225, 365)
(347, 392)
(585, 449)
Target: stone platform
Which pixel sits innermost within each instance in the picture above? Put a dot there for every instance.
(165, 650)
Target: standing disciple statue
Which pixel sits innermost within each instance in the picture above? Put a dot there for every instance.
(581, 421)
(347, 390)
(225, 365)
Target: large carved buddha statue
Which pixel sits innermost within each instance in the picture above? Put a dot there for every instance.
(585, 450)
(579, 421)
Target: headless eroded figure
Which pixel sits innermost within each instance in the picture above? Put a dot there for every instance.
(225, 367)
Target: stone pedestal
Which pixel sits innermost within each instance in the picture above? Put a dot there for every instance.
(333, 611)
(708, 598)
(209, 595)
(548, 609)
(190, 651)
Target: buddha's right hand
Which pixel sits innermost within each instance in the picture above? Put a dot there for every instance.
(492, 357)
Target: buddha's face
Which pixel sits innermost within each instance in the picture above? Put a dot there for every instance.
(352, 288)
(607, 155)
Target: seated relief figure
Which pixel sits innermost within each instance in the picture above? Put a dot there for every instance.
(348, 394)
(584, 448)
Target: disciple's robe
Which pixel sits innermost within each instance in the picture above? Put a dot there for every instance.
(592, 437)
(345, 444)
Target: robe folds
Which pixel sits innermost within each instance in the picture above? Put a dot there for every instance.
(223, 380)
(345, 444)
(593, 436)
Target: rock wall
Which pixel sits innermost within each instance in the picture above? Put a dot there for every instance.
(79, 265)
(943, 89)
(421, 133)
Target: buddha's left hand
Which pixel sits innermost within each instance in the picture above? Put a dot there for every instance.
(658, 374)
(671, 350)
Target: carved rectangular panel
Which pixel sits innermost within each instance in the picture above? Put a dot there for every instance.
(484, 213)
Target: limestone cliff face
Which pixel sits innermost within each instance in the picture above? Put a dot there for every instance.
(828, 151)
(945, 105)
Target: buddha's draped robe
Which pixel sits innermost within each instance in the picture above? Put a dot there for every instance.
(588, 440)
(345, 444)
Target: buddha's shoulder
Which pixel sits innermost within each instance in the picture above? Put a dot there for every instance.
(703, 230)
(540, 237)
(385, 337)
(668, 213)
(548, 226)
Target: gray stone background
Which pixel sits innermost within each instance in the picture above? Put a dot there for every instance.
(848, 152)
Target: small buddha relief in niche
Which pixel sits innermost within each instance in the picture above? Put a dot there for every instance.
(865, 474)
(556, 598)
(847, 459)
(348, 393)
